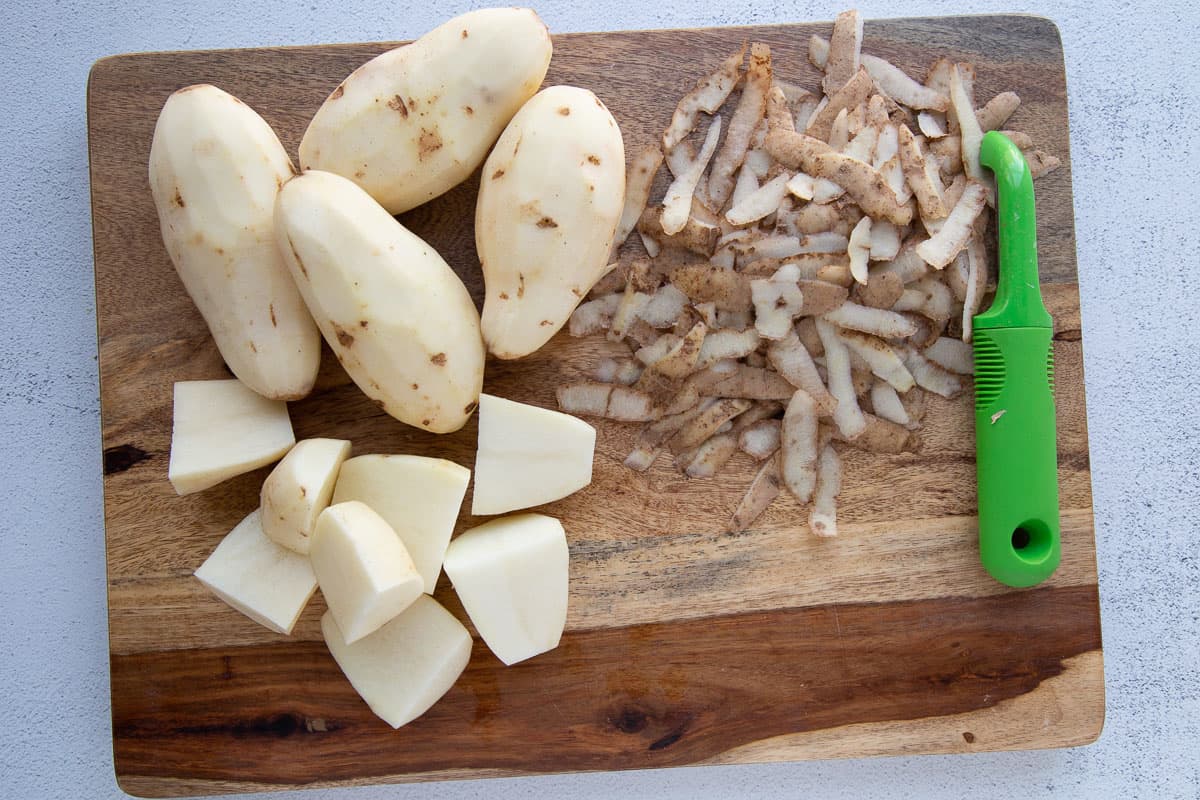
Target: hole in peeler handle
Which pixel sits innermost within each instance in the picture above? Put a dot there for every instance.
(1032, 541)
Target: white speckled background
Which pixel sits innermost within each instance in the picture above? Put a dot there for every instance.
(1134, 102)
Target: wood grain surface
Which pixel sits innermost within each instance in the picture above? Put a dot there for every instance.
(684, 645)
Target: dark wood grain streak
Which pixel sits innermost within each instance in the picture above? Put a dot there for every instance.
(683, 644)
(643, 696)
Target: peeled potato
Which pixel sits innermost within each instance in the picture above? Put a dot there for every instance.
(415, 121)
(215, 170)
(399, 320)
(550, 198)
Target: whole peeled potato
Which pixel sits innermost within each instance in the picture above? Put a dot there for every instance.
(215, 170)
(414, 122)
(549, 200)
(399, 320)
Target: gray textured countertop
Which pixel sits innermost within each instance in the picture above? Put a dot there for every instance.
(1135, 113)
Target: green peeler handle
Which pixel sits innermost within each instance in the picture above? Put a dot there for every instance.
(1016, 455)
(1016, 458)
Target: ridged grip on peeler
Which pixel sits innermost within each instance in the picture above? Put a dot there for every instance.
(1016, 458)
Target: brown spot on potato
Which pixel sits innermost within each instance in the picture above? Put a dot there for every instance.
(520, 284)
(594, 160)
(545, 322)
(416, 386)
(464, 33)
(253, 349)
(345, 338)
(504, 295)
(439, 359)
(279, 182)
(498, 174)
(566, 112)
(271, 308)
(575, 291)
(412, 103)
(427, 422)
(178, 199)
(364, 324)
(397, 104)
(469, 110)
(517, 146)
(547, 222)
(429, 143)
(220, 251)
(338, 92)
(296, 255)
(303, 492)
(360, 174)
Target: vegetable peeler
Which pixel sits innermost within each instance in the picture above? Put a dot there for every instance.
(1016, 451)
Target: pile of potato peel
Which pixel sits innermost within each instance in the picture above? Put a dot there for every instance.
(812, 269)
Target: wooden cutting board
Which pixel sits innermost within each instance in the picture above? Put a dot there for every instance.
(684, 644)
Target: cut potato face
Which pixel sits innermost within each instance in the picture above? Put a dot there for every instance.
(407, 665)
(363, 569)
(419, 497)
(511, 575)
(222, 429)
(268, 583)
(412, 122)
(299, 489)
(528, 456)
